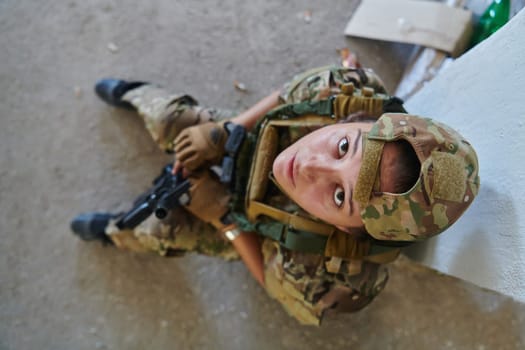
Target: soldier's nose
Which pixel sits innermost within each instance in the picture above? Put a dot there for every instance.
(315, 169)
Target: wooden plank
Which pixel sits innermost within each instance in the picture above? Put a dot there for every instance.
(426, 23)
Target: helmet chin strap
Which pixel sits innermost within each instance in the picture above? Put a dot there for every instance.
(271, 176)
(342, 228)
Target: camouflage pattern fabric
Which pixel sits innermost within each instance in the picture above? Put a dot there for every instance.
(165, 114)
(175, 235)
(321, 83)
(447, 184)
(299, 281)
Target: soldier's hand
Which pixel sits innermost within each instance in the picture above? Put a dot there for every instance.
(177, 166)
(200, 144)
(208, 198)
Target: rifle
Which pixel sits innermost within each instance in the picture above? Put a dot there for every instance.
(167, 192)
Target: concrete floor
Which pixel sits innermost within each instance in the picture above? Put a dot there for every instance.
(62, 152)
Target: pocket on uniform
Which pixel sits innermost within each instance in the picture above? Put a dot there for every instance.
(312, 85)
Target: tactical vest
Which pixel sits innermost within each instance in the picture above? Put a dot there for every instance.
(297, 232)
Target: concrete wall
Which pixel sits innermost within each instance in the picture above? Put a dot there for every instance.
(482, 94)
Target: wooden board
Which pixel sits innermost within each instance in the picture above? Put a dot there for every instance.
(427, 23)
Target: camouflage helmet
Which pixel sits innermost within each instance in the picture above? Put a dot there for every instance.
(447, 183)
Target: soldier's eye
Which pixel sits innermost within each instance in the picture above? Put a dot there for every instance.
(342, 147)
(339, 196)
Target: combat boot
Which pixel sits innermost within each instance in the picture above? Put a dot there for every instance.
(111, 91)
(92, 226)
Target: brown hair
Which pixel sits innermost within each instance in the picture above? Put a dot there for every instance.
(404, 170)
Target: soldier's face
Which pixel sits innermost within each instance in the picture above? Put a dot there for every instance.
(320, 170)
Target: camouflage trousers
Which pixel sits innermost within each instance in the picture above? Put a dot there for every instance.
(299, 281)
(165, 115)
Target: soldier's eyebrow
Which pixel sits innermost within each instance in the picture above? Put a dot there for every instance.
(355, 141)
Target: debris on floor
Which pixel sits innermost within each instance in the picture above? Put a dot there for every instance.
(348, 58)
(240, 86)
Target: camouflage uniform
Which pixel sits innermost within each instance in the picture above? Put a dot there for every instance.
(300, 281)
(180, 232)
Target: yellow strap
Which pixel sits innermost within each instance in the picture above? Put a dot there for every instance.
(354, 100)
(333, 265)
(305, 120)
(385, 257)
(339, 244)
(372, 151)
(265, 154)
(266, 151)
(354, 267)
(346, 246)
(297, 222)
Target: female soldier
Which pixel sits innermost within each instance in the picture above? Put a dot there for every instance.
(314, 208)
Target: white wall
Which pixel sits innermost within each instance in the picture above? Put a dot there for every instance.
(482, 95)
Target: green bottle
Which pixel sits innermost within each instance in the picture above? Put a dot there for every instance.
(494, 17)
